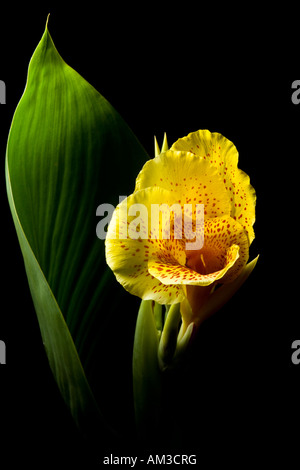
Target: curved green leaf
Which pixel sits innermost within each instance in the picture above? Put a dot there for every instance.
(68, 152)
(61, 352)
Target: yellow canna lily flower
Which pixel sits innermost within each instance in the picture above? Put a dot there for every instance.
(158, 261)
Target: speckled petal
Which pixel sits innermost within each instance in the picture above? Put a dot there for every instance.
(226, 245)
(176, 274)
(223, 155)
(129, 258)
(222, 258)
(192, 181)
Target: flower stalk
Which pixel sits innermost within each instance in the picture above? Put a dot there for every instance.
(147, 384)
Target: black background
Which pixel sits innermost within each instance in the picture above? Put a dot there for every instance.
(175, 70)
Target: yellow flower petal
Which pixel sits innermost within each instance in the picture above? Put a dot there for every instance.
(211, 146)
(223, 155)
(190, 179)
(223, 256)
(129, 258)
(175, 274)
(226, 248)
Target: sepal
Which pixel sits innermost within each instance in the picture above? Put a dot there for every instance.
(164, 147)
(223, 294)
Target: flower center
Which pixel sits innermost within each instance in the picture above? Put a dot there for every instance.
(196, 261)
(204, 261)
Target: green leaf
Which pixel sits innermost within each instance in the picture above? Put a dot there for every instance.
(62, 355)
(68, 152)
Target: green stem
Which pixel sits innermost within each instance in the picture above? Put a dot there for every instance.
(147, 386)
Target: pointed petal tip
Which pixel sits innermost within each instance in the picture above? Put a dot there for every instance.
(251, 265)
(156, 147)
(165, 145)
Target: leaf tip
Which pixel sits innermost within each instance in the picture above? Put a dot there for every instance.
(47, 21)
